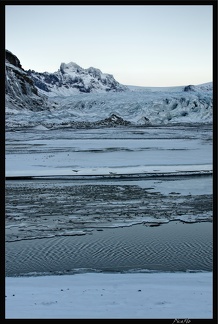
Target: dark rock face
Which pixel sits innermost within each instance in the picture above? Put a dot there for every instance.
(38, 83)
(20, 90)
(113, 121)
(12, 59)
(190, 88)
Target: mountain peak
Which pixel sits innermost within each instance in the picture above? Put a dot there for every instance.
(70, 67)
(69, 80)
(20, 89)
(12, 59)
(72, 78)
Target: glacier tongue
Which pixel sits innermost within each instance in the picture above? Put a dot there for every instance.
(128, 108)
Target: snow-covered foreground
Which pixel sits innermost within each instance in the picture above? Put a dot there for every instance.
(108, 295)
(110, 152)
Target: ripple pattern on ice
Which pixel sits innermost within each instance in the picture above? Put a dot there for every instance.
(170, 247)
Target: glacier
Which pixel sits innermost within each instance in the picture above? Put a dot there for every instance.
(136, 108)
(74, 97)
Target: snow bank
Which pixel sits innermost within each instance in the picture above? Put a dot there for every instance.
(111, 295)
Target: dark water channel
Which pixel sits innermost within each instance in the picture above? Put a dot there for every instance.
(175, 246)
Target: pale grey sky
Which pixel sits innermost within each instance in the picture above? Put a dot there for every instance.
(144, 45)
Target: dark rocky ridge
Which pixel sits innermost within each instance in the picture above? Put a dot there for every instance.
(12, 59)
(20, 90)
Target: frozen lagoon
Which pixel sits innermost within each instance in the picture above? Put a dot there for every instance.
(110, 151)
(99, 229)
(73, 182)
(95, 178)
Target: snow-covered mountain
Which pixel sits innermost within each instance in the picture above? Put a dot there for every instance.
(71, 79)
(74, 97)
(31, 89)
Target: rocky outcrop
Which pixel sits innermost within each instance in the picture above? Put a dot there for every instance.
(189, 88)
(113, 121)
(20, 90)
(12, 59)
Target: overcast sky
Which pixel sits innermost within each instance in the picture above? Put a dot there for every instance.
(159, 45)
